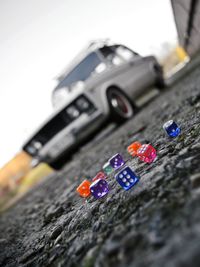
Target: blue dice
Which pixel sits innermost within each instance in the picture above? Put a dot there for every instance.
(171, 128)
(126, 178)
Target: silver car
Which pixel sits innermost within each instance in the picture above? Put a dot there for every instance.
(102, 83)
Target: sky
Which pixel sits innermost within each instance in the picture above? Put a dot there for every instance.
(38, 38)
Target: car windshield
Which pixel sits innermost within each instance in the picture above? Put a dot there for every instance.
(90, 64)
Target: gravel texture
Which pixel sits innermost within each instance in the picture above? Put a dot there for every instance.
(156, 223)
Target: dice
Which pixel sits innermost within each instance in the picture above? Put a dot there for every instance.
(99, 188)
(107, 168)
(126, 178)
(133, 148)
(116, 161)
(84, 189)
(147, 153)
(99, 175)
(171, 128)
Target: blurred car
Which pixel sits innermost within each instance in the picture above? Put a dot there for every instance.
(102, 83)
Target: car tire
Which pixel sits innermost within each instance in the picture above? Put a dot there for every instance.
(160, 81)
(59, 163)
(121, 106)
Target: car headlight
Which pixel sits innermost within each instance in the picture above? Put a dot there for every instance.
(37, 145)
(34, 147)
(72, 112)
(79, 106)
(82, 103)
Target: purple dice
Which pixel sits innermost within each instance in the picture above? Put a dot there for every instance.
(99, 188)
(116, 161)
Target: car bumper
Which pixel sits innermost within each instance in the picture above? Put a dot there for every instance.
(72, 135)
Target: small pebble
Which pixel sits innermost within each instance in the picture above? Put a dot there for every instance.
(195, 180)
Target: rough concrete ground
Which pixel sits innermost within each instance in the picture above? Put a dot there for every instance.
(157, 223)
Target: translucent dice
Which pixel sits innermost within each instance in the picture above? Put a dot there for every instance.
(107, 168)
(84, 189)
(99, 188)
(171, 128)
(133, 148)
(99, 175)
(147, 153)
(116, 161)
(126, 178)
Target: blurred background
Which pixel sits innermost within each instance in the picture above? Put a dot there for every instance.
(39, 38)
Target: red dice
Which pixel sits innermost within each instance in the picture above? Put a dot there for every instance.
(147, 153)
(99, 175)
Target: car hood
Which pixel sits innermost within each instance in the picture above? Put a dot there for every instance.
(76, 90)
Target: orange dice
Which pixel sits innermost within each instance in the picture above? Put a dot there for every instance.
(84, 189)
(133, 148)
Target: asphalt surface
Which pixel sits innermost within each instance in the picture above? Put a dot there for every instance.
(156, 223)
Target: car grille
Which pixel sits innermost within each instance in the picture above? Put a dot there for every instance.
(58, 123)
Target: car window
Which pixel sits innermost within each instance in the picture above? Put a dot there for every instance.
(83, 70)
(125, 53)
(117, 54)
(110, 55)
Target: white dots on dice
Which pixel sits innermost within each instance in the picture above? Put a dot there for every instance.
(128, 176)
(131, 180)
(121, 176)
(127, 183)
(124, 180)
(124, 172)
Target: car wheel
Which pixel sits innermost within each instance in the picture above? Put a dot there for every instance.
(160, 82)
(59, 163)
(121, 107)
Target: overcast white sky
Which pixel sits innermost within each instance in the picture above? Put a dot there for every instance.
(39, 37)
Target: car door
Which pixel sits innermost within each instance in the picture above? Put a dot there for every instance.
(136, 73)
(137, 78)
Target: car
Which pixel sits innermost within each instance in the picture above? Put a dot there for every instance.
(101, 84)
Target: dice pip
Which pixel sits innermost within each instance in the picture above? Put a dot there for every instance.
(171, 128)
(127, 178)
(99, 188)
(147, 153)
(116, 161)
